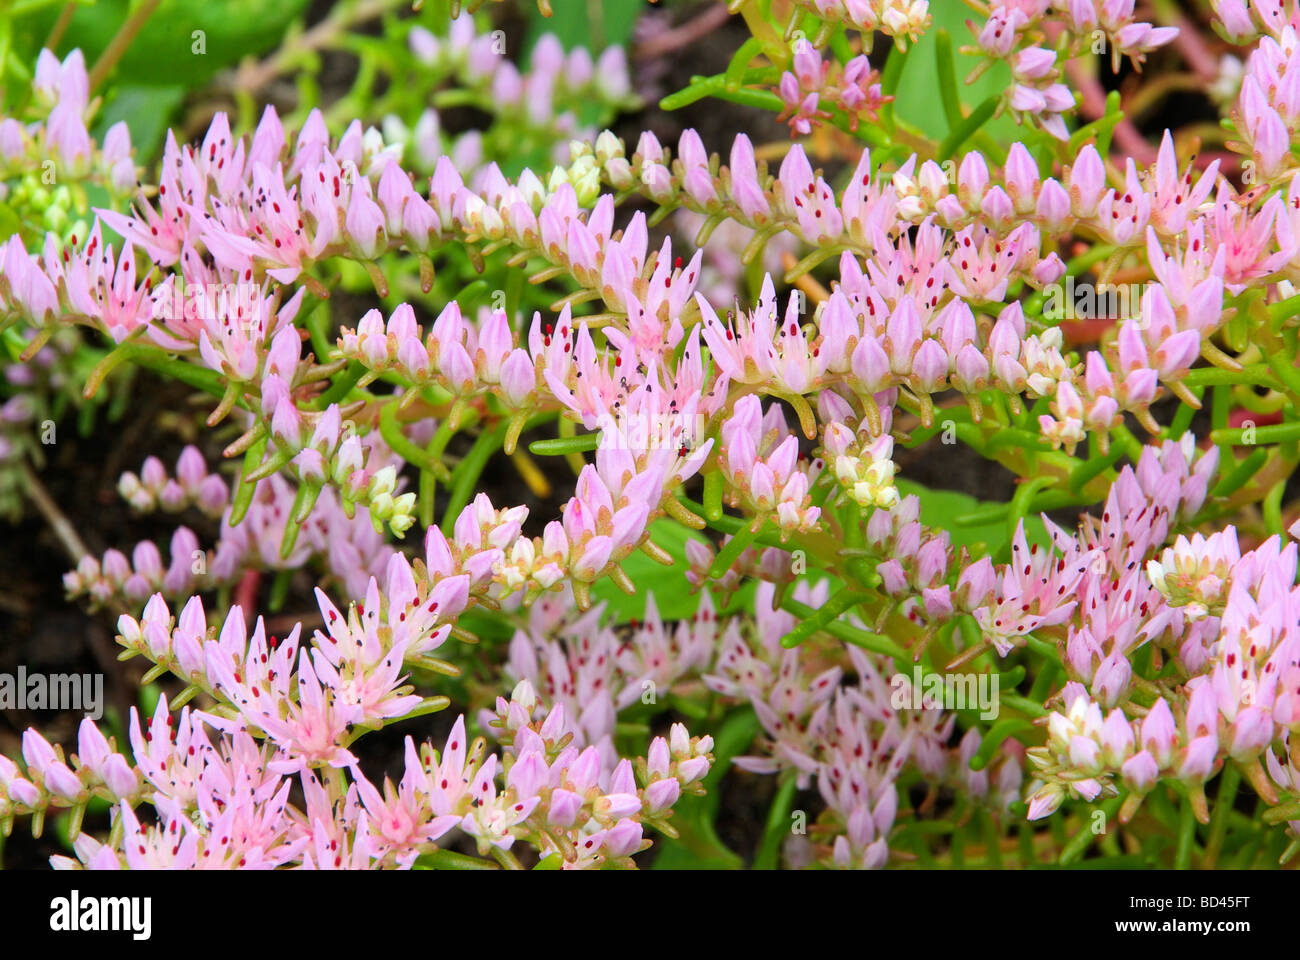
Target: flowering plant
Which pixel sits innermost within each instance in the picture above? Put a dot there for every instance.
(708, 374)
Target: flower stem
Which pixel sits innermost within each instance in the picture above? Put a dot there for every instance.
(120, 42)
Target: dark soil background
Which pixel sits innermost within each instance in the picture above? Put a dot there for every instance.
(41, 630)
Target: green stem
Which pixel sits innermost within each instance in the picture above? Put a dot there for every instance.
(412, 453)
(731, 551)
(1228, 783)
(846, 599)
(874, 642)
(465, 476)
(1186, 834)
(120, 42)
(980, 116)
(1269, 433)
(338, 391)
(778, 823)
(1256, 375)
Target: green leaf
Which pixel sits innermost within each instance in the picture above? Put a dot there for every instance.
(165, 52)
(915, 97)
(978, 118)
(778, 823)
(939, 508)
(673, 602)
(735, 74)
(561, 446)
(450, 860)
(147, 111)
(699, 847)
(949, 94)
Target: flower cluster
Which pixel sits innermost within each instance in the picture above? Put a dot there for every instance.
(733, 407)
(542, 102)
(56, 143)
(855, 90)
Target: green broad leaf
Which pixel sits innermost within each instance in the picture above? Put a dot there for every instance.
(917, 100)
(486, 624)
(183, 42)
(940, 508)
(649, 576)
(147, 111)
(699, 847)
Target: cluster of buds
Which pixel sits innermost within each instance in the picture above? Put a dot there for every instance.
(863, 461)
(1086, 752)
(542, 102)
(52, 778)
(1267, 112)
(745, 192)
(193, 486)
(582, 173)
(1193, 574)
(585, 810)
(902, 20)
(854, 89)
(1038, 92)
(134, 579)
(1010, 26)
(45, 163)
(760, 461)
(1163, 197)
(463, 357)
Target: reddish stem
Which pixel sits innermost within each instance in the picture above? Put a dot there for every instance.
(246, 592)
